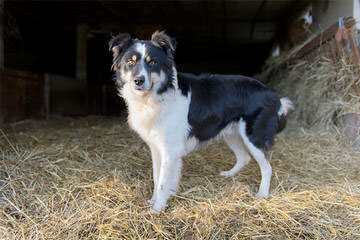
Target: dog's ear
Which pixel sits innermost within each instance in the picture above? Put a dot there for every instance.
(117, 44)
(161, 39)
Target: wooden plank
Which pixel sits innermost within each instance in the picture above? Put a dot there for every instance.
(354, 48)
(339, 48)
(323, 37)
(67, 96)
(317, 41)
(333, 50)
(258, 14)
(22, 95)
(81, 52)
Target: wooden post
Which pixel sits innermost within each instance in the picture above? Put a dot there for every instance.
(81, 61)
(81, 52)
(354, 48)
(2, 57)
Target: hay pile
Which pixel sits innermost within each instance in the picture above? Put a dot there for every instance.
(89, 178)
(323, 91)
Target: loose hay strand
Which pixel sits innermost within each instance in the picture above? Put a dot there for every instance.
(88, 178)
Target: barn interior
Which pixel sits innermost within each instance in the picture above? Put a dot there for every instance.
(70, 168)
(207, 32)
(69, 39)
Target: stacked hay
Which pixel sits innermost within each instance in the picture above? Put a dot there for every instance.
(88, 178)
(323, 91)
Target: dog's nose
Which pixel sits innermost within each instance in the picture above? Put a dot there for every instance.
(139, 81)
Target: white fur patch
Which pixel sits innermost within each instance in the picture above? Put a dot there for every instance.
(236, 144)
(141, 49)
(259, 157)
(286, 105)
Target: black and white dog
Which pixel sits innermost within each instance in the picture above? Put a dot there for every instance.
(176, 113)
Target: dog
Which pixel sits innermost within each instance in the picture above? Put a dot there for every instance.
(176, 113)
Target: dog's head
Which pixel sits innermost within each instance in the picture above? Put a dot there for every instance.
(144, 65)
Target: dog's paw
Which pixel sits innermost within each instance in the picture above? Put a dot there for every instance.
(154, 211)
(262, 195)
(227, 174)
(157, 208)
(151, 201)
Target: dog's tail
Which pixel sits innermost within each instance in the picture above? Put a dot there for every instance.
(286, 105)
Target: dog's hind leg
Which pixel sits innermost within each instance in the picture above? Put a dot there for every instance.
(242, 156)
(156, 162)
(260, 158)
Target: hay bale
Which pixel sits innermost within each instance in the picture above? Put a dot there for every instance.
(322, 91)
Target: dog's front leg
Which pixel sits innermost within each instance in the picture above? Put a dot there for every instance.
(169, 177)
(156, 161)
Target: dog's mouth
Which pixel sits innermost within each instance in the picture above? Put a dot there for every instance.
(144, 89)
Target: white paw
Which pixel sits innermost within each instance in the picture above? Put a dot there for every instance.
(227, 174)
(157, 210)
(151, 201)
(262, 195)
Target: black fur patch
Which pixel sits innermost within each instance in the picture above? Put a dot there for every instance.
(217, 100)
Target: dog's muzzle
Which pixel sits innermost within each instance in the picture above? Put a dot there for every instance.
(139, 83)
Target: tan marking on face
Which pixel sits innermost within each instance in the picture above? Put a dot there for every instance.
(134, 57)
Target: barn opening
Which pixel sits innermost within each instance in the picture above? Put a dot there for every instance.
(62, 46)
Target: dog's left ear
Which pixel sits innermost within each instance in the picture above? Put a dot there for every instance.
(161, 39)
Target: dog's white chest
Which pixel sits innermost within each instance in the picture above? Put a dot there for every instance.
(142, 119)
(163, 121)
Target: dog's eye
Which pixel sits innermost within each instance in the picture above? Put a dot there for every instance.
(152, 63)
(131, 62)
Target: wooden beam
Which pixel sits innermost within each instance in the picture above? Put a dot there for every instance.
(323, 37)
(81, 52)
(2, 56)
(224, 29)
(319, 40)
(257, 15)
(205, 7)
(117, 10)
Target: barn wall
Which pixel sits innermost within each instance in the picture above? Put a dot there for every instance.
(22, 95)
(66, 95)
(325, 13)
(29, 95)
(356, 12)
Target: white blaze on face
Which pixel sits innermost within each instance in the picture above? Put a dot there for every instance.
(141, 49)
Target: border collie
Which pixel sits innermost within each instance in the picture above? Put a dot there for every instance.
(176, 113)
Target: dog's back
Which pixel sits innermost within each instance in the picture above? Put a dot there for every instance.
(218, 100)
